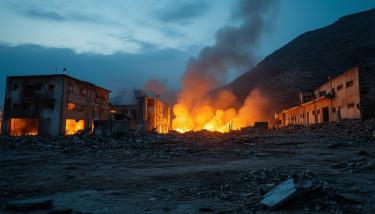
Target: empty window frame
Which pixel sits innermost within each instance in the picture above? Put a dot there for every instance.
(349, 83)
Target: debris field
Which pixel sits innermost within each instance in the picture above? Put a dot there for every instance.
(326, 168)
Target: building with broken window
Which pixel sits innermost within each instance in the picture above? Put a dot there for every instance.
(52, 105)
(350, 95)
(143, 111)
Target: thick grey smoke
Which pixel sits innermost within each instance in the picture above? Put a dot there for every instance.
(234, 48)
(159, 88)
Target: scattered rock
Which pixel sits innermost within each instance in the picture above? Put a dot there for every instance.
(71, 168)
(206, 209)
(363, 152)
(61, 211)
(29, 205)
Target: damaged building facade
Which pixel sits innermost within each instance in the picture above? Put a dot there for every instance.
(350, 95)
(144, 112)
(152, 113)
(52, 105)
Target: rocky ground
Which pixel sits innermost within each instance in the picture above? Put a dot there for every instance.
(198, 172)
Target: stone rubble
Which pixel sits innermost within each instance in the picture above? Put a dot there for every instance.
(245, 189)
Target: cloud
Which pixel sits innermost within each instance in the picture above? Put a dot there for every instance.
(234, 49)
(50, 12)
(111, 26)
(116, 72)
(43, 14)
(184, 13)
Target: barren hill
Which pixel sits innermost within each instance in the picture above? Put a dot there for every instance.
(308, 60)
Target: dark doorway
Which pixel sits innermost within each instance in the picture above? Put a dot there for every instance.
(325, 115)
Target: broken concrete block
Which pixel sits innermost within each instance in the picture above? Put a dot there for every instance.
(285, 191)
(280, 194)
(29, 205)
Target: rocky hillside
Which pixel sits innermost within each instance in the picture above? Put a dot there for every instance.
(308, 60)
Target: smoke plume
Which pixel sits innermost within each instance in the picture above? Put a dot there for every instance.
(234, 48)
(155, 86)
(159, 88)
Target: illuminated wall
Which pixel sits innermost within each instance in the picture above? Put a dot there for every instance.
(22, 126)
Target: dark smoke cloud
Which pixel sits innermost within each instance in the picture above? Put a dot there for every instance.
(183, 13)
(155, 86)
(234, 48)
(159, 88)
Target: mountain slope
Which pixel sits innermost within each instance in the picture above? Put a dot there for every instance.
(308, 60)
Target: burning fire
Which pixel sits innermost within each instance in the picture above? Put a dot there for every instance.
(74, 126)
(24, 126)
(219, 114)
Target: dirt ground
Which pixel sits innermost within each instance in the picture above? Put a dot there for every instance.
(191, 173)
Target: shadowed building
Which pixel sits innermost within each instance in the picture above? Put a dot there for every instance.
(142, 111)
(147, 113)
(52, 105)
(350, 95)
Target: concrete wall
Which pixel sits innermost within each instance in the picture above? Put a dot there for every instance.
(345, 97)
(111, 127)
(39, 98)
(338, 96)
(148, 114)
(46, 97)
(161, 116)
(91, 103)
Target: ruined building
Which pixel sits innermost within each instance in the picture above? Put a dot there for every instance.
(350, 95)
(52, 105)
(144, 112)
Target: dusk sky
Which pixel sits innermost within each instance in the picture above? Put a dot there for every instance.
(121, 44)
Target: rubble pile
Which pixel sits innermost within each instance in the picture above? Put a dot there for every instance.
(249, 190)
(356, 130)
(325, 168)
(144, 146)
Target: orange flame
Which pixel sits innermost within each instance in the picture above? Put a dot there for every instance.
(219, 115)
(24, 126)
(74, 126)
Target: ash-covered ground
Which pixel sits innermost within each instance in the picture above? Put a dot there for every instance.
(199, 172)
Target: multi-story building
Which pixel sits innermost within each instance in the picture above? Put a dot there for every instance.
(350, 95)
(52, 105)
(147, 113)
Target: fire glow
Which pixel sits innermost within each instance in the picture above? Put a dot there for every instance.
(234, 50)
(27, 127)
(219, 114)
(74, 126)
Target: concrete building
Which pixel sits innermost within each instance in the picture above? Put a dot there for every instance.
(147, 113)
(350, 95)
(52, 105)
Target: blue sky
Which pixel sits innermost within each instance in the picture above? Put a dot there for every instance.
(122, 44)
